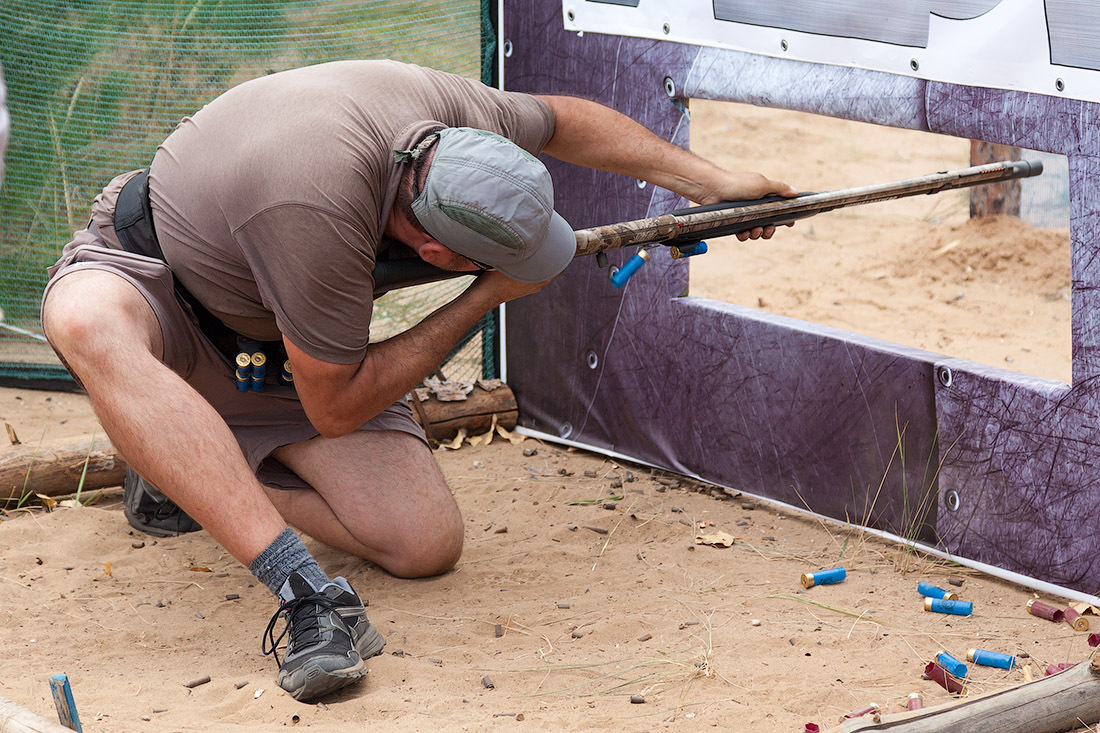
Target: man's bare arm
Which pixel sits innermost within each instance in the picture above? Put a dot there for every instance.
(592, 135)
(339, 398)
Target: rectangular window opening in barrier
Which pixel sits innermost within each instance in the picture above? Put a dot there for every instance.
(918, 271)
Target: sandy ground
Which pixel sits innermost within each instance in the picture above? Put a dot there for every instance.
(916, 271)
(709, 636)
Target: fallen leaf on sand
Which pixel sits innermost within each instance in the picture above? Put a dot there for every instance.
(485, 438)
(457, 442)
(511, 437)
(718, 539)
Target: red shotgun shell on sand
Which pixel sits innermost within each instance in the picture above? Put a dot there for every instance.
(1076, 620)
(943, 678)
(866, 710)
(916, 702)
(1056, 668)
(1044, 610)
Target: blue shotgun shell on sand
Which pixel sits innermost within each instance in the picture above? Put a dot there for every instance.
(932, 591)
(958, 608)
(952, 665)
(991, 659)
(823, 577)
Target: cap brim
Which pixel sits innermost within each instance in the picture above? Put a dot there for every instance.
(550, 258)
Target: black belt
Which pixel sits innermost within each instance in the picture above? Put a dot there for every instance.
(135, 230)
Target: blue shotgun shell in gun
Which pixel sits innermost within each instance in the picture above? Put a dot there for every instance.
(931, 591)
(958, 608)
(681, 251)
(823, 577)
(620, 277)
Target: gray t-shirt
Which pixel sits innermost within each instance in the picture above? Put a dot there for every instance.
(271, 201)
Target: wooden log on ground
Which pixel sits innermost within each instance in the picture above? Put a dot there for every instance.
(55, 468)
(442, 420)
(1062, 702)
(15, 718)
(994, 198)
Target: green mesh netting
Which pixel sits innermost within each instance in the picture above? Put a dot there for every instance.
(94, 86)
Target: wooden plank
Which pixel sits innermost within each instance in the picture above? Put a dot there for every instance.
(15, 718)
(63, 699)
(1062, 702)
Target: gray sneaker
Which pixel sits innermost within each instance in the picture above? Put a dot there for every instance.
(329, 637)
(152, 512)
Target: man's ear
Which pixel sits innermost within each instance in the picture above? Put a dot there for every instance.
(435, 253)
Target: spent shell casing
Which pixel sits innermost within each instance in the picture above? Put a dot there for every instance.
(987, 658)
(939, 605)
(1044, 610)
(931, 591)
(943, 678)
(823, 577)
(1076, 620)
(916, 702)
(952, 665)
(865, 710)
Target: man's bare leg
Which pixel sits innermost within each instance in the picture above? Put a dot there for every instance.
(110, 337)
(379, 495)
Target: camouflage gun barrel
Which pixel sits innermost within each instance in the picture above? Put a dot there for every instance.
(688, 226)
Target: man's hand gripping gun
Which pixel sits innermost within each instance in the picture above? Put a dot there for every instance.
(683, 231)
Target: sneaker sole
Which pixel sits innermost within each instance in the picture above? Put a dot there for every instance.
(137, 523)
(371, 643)
(313, 681)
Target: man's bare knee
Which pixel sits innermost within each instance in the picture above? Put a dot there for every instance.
(423, 557)
(90, 315)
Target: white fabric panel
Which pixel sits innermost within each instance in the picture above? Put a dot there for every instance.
(1050, 47)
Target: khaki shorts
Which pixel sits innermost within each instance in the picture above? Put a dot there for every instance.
(261, 421)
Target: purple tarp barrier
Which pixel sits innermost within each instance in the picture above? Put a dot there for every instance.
(845, 425)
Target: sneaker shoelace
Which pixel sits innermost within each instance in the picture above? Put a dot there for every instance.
(304, 615)
(166, 510)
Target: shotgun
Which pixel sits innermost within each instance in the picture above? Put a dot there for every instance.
(683, 230)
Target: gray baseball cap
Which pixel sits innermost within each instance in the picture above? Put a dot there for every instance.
(490, 200)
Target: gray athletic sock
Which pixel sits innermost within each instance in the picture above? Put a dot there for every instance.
(285, 555)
